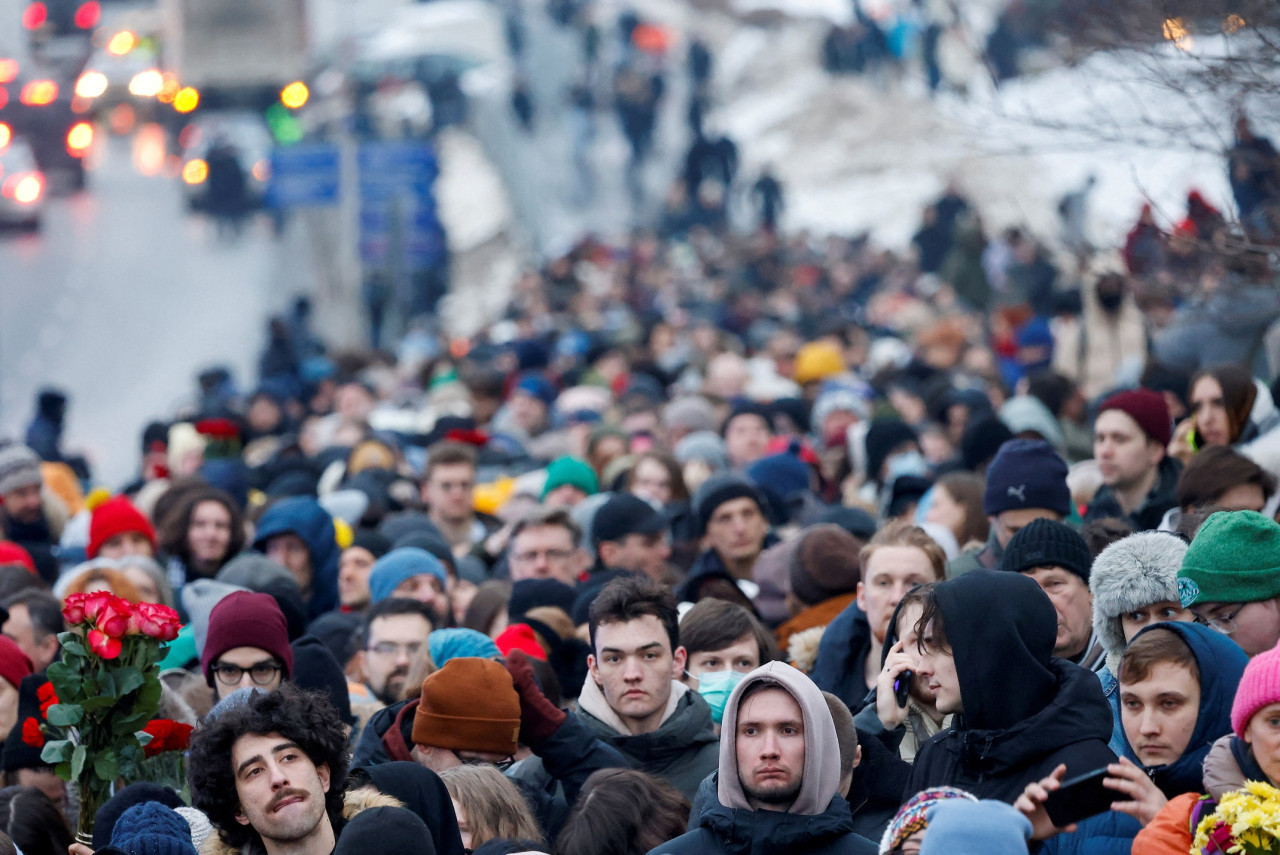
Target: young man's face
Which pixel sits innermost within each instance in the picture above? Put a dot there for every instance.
(448, 491)
(1124, 454)
(907, 620)
(643, 553)
(1073, 603)
(290, 552)
(545, 552)
(737, 530)
(354, 568)
(1131, 623)
(769, 743)
(425, 588)
(891, 571)
(1254, 626)
(242, 667)
(747, 439)
(281, 791)
(23, 504)
(393, 640)
(742, 656)
(1263, 736)
(1159, 713)
(634, 665)
(1009, 523)
(937, 667)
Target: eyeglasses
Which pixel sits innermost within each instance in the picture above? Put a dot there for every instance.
(1226, 624)
(501, 765)
(553, 555)
(261, 673)
(390, 648)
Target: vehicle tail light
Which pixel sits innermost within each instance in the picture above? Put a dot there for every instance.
(195, 171)
(34, 16)
(79, 138)
(38, 93)
(8, 70)
(146, 84)
(24, 188)
(91, 84)
(88, 15)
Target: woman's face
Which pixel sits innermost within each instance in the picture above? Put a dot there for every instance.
(209, 533)
(1263, 736)
(651, 481)
(1212, 424)
(464, 828)
(945, 510)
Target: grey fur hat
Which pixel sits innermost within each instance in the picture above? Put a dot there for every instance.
(1131, 573)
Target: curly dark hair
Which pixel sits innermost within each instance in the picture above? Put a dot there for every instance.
(305, 718)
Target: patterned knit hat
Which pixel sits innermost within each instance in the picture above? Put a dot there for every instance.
(913, 815)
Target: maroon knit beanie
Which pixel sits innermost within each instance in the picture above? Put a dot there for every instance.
(1145, 407)
(246, 619)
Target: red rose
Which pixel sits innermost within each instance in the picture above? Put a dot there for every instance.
(73, 608)
(157, 621)
(104, 645)
(32, 734)
(218, 428)
(166, 735)
(47, 697)
(94, 603)
(114, 617)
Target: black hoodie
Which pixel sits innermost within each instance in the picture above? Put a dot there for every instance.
(1024, 712)
(423, 793)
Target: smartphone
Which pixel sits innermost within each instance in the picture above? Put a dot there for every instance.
(1193, 440)
(1080, 798)
(902, 687)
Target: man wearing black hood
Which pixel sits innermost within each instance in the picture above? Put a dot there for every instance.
(986, 652)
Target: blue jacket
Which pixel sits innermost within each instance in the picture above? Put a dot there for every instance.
(842, 656)
(303, 516)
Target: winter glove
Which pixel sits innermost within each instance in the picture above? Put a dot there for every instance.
(539, 718)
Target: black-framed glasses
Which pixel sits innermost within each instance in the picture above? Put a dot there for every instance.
(262, 673)
(501, 765)
(1226, 624)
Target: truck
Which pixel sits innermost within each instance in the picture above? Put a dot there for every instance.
(235, 52)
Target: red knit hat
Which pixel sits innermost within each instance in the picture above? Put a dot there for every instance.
(246, 619)
(520, 636)
(1145, 407)
(12, 553)
(113, 517)
(14, 664)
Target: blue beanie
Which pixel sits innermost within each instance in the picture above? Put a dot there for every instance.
(962, 827)
(152, 829)
(400, 564)
(1026, 473)
(446, 644)
(785, 474)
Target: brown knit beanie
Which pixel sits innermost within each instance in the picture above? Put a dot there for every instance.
(469, 705)
(825, 564)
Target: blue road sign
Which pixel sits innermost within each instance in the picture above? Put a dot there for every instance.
(399, 225)
(304, 176)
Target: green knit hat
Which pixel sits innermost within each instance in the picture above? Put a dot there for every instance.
(1235, 558)
(572, 472)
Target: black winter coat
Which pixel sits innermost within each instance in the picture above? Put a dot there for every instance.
(768, 832)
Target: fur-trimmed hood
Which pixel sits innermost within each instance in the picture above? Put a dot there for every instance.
(356, 800)
(1131, 573)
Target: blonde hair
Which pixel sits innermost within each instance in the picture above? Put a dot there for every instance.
(492, 807)
(115, 579)
(902, 533)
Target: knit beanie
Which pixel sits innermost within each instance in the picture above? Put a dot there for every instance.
(1130, 574)
(152, 829)
(691, 413)
(520, 636)
(913, 816)
(246, 619)
(372, 542)
(705, 446)
(14, 664)
(316, 669)
(113, 517)
(469, 705)
(744, 407)
(883, 437)
(1235, 558)
(981, 441)
(1149, 409)
(783, 474)
(824, 564)
(401, 564)
(140, 792)
(840, 399)
(1047, 543)
(12, 553)
(817, 360)
(199, 597)
(19, 467)
(533, 593)
(254, 571)
(976, 828)
(1026, 473)
(1259, 687)
(201, 828)
(448, 644)
(718, 489)
(570, 472)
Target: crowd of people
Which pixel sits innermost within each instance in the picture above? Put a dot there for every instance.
(751, 543)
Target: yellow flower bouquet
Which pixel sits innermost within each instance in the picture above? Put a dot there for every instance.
(1245, 822)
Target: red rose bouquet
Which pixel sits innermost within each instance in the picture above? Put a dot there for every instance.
(165, 762)
(102, 694)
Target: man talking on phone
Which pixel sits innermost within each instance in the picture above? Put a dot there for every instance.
(985, 650)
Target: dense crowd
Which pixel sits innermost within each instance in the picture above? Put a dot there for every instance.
(714, 542)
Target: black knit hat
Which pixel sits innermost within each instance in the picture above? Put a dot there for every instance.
(720, 488)
(883, 437)
(1048, 543)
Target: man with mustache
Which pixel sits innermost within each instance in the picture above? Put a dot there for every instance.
(392, 632)
(270, 772)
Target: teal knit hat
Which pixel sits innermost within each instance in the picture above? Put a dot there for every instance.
(572, 472)
(1235, 558)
